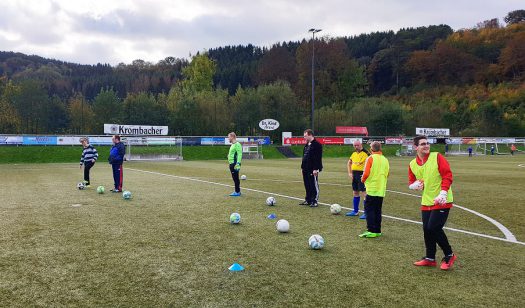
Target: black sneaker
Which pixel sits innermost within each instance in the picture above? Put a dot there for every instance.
(304, 203)
(115, 190)
(315, 204)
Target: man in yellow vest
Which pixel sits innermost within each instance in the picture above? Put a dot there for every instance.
(375, 177)
(355, 166)
(430, 172)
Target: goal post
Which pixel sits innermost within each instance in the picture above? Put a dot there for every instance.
(153, 148)
(251, 150)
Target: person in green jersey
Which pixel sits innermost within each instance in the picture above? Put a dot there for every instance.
(234, 160)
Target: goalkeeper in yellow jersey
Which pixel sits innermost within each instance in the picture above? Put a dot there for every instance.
(234, 160)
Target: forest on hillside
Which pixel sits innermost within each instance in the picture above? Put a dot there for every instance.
(469, 80)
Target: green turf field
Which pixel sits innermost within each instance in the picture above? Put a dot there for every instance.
(172, 243)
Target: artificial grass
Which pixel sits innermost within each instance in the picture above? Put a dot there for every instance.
(172, 243)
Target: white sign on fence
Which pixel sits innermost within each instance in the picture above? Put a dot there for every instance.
(135, 130)
(269, 124)
(433, 131)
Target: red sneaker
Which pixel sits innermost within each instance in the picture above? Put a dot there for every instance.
(425, 262)
(447, 262)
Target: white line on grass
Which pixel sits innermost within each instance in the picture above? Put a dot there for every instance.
(322, 203)
(508, 235)
(521, 165)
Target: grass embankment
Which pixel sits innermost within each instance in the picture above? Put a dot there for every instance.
(70, 154)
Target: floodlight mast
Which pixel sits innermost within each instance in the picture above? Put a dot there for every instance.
(314, 31)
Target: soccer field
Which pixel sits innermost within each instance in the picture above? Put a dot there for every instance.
(172, 243)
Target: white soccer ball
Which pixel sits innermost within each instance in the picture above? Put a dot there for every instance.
(81, 185)
(243, 177)
(235, 218)
(126, 195)
(283, 225)
(335, 209)
(270, 201)
(316, 242)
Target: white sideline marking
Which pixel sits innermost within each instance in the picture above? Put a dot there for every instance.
(508, 235)
(327, 204)
(521, 165)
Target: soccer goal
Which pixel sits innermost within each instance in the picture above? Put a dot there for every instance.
(251, 150)
(153, 148)
(463, 149)
(407, 148)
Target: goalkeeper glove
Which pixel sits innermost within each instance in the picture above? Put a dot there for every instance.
(441, 199)
(237, 167)
(417, 185)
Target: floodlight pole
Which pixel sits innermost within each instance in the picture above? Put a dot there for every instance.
(314, 31)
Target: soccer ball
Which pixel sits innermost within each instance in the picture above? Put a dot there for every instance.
(126, 195)
(283, 225)
(335, 209)
(235, 218)
(81, 186)
(101, 189)
(243, 177)
(270, 201)
(316, 242)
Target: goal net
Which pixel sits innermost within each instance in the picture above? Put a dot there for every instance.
(251, 150)
(466, 149)
(153, 148)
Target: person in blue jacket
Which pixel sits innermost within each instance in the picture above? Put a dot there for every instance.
(116, 159)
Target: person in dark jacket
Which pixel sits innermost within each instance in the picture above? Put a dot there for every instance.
(116, 159)
(311, 165)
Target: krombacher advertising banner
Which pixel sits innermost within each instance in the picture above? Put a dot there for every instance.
(135, 130)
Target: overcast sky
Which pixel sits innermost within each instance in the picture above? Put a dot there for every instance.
(114, 31)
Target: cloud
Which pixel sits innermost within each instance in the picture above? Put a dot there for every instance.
(123, 30)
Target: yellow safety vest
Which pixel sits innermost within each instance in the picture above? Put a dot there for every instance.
(429, 173)
(376, 181)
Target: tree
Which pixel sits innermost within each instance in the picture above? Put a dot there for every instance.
(489, 119)
(245, 110)
(277, 101)
(337, 76)
(58, 116)
(9, 120)
(421, 67)
(80, 114)
(489, 24)
(107, 108)
(512, 58)
(278, 63)
(515, 17)
(32, 105)
(383, 118)
(142, 109)
(214, 114)
(198, 76)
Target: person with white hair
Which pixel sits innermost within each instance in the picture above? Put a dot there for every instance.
(355, 166)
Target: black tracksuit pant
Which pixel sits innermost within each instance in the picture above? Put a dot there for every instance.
(373, 210)
(433, 223)
(235, 177)
(87, 167)
(311, 185)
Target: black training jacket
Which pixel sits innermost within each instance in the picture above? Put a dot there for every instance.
(312, 156)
